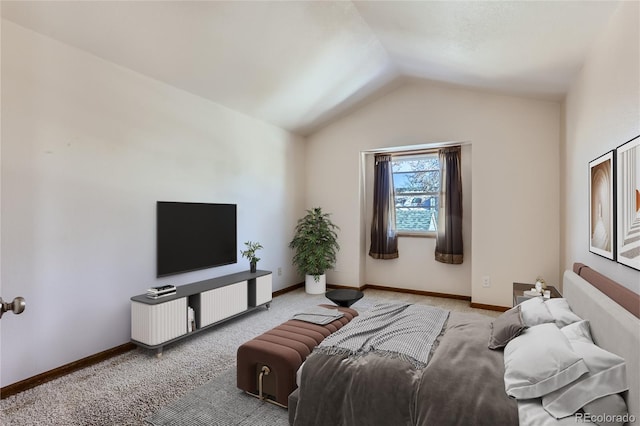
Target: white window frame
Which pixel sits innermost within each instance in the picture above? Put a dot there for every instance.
(418, 194)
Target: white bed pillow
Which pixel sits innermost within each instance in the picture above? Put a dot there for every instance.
(578, 331)
(535, 312)
(561, 312)
(540, 361)
(606, 376)
(531, 413)
(610, 410)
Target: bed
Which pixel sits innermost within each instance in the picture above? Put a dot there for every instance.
(463, 382)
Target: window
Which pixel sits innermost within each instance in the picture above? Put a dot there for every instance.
(416, 181)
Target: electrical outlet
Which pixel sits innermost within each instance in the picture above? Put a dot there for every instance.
(279, 271)
(486, 281)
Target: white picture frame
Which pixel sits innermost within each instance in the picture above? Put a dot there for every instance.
(601, 206)
(628, 203)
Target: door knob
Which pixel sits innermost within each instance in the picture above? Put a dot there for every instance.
(16, 306)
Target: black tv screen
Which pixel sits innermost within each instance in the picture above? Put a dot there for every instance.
(192, 236)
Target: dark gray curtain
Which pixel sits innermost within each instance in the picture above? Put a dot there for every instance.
(449, 232)
(384, 241)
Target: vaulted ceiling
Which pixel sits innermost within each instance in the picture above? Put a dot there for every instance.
(299, 64)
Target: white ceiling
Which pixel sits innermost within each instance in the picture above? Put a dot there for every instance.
(299, 64)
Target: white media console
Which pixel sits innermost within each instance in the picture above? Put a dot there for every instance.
(158, 322)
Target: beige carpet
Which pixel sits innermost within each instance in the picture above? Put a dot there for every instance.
(131, 387)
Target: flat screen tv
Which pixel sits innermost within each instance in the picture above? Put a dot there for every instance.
(192, 236)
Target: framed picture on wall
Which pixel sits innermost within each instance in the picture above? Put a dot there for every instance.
(628, 203)
(601, 206)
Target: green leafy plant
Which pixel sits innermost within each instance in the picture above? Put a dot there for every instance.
(315, 243)
(250, 253)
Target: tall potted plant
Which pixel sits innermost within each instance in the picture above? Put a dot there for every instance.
(316, 245)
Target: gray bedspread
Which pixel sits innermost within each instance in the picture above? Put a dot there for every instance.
(462, 384)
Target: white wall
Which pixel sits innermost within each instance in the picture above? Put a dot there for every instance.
(87, 150)
(515, 216)
(602, 111)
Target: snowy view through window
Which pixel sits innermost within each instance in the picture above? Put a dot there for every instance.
(416, 182)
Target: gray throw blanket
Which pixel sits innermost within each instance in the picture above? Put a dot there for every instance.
(403, 331)
(318, 315)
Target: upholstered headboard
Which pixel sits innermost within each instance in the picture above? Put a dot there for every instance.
(622, 295)
(613, 327)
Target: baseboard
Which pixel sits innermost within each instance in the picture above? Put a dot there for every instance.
(47, 376)
(287, 290)
(426, 293)
(418, 292)
(336, 286)
(394, 289)
(489, 307)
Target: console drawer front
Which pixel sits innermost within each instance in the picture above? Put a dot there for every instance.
(263, 290)
(222, 302)
(155, 324)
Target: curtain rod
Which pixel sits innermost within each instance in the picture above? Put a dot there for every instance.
(413, 152)
(415, 149)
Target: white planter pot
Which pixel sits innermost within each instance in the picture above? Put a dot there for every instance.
(313, 287)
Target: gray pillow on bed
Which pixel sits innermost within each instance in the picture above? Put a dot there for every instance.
(505, 327)
(606, 376)
(540, 361)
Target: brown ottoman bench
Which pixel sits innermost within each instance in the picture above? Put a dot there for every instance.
(267, 364)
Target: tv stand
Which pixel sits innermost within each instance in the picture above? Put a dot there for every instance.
(157, 322)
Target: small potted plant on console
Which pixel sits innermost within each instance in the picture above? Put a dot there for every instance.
(250, 253)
